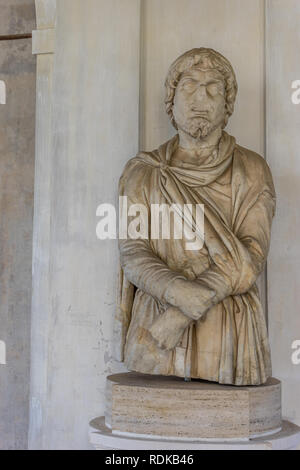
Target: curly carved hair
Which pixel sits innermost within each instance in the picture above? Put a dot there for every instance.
(206, 59)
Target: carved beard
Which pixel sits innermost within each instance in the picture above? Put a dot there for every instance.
(198, 128)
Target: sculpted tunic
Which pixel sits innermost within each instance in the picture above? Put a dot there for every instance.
(230, 343)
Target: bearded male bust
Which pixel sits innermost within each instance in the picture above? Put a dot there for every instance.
(197, 313)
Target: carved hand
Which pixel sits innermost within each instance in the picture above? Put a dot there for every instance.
(193, 298)
(189, 301)
(168, 329)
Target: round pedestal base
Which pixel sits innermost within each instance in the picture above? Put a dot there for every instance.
(169, 408)
(102, 438)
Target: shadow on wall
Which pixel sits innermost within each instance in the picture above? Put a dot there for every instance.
(17, 150)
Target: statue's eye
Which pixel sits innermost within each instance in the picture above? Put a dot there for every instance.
(188, 85)
(214, 89)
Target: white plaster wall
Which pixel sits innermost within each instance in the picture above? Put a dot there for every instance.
(283, 154)
(233, 27)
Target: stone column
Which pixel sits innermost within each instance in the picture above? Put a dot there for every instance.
(43, 47)
(87, 129)
(17, 123)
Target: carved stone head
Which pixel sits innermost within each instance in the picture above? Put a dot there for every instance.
(201, 89)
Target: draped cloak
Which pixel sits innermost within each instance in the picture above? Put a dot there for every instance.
(230, 343)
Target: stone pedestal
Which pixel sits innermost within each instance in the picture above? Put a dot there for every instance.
(168, 408)
(147, 412)
(102, 438)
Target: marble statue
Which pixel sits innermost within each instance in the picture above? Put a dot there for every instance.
(197, 313)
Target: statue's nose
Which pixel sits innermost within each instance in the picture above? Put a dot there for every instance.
(200, 101)
(200, 93)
